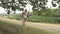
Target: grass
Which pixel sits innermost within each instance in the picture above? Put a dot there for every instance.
(8, 27)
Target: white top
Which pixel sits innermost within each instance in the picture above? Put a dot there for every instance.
(25, 15)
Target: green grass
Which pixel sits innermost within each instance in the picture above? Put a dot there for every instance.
(8, 27)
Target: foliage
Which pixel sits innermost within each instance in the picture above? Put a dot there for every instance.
(17, 17)
(8, 11)
(45, 12)
(38, 4)
(55, 2)
(49, 15)
(44, 19)
(20, 4)
(12, 5)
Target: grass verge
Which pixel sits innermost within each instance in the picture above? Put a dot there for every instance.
(8, 27)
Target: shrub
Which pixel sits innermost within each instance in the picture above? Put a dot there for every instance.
(36, 18)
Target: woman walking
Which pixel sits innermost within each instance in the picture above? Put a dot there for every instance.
(24, 16)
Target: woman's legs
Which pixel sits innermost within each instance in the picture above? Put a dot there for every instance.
(23, 21)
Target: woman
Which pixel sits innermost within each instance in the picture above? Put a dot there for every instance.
(24, 16)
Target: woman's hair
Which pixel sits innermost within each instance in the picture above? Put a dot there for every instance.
(25, 10)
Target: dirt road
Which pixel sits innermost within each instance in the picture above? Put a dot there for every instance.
(44, 26)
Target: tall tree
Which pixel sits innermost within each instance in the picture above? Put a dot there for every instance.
(17, 4)
(38, 5)
(12, 4)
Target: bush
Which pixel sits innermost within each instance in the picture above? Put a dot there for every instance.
(44, 19)
(17, 17)
(36, 18)
(11, 17)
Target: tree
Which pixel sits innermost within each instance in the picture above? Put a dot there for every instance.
(12, 4)
(38, 5)
(17, 4)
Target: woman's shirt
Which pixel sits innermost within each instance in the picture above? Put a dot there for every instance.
(24, 14)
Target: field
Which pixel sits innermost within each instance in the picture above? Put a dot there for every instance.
(9, 27)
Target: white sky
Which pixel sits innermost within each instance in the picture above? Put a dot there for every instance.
(28, 7)
(2, 10)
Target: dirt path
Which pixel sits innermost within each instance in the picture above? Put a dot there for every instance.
(44, 26)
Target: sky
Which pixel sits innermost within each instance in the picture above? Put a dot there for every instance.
(28, 7)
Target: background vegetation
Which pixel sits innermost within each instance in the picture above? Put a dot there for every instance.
(49, 16)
